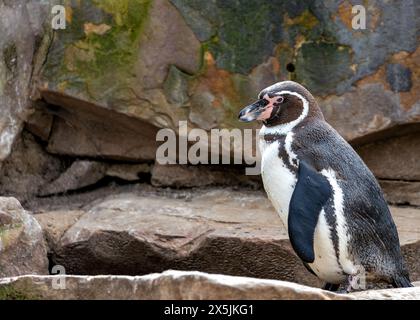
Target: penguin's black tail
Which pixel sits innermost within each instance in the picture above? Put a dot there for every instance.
(401, 282)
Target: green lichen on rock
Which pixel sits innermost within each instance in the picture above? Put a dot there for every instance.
(9, 233)
(176, 86)
(99, 47)
(322, 66)
(8, 292)
(10, 57)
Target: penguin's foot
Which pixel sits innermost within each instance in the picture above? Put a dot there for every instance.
(355, 282)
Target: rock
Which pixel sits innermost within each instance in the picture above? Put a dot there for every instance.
(86, 173)
(40, 122)
(395, 158)
(181, 176)
(28, 168)
(21, 26)
(368, 110)
(216, 231)
(120, 69)
(207, 70)
(22, 246)
(85, 129)
(167, 33)
(169, 285)
(55, 223)
(80, 174)
(401, 192)
(398, 77)
(128, 172)
(178, 285)
(389, 294)
(235, 233)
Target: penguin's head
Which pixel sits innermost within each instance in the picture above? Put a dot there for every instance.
(280, 103)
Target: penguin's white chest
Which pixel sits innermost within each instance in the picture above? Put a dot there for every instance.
(279, 182)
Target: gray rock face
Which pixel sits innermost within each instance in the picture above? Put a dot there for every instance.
(20, 24)
(398, 77)
(178, 285)
(28, 169)
(22, 245)
(218, 231)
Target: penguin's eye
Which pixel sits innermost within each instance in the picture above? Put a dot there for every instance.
(280, 99)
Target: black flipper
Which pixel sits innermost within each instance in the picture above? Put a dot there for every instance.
(309, 268)
(311, 193)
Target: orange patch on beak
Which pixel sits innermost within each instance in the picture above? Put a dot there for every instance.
(266, 113)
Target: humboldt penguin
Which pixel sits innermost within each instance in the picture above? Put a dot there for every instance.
(338, 221)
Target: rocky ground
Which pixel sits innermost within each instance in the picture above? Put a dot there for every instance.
(139, 229)
(185, 285)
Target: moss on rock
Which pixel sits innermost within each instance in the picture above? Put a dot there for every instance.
(8, 292)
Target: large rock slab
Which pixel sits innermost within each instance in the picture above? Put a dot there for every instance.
(170, 285)
(236, 233)
(22, 245)
(396, 158)
(216, 231)
(178, 285)
(401, 192)
(87, 129)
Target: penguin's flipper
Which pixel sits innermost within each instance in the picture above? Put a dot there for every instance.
(311, 193)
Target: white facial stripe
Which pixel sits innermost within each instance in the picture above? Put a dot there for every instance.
(284, 128)
(343, 238)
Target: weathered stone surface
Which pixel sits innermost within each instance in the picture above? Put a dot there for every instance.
(215, 57)
(20, 24)
(389, 294)
(172, 285)
(401, 192)
(369, 109)
(179, 285)
(179, 176)
(398, 77)
(80, 174)
(124, 68)
(40, 122)
(217, 231)
(85, 129)
(22, 245)
(128, 172)
(395, 158)
(55, 223)
(28, 168)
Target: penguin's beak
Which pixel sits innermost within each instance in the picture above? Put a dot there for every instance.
(252, 112)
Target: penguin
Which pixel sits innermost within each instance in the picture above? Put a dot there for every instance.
(337, 219)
